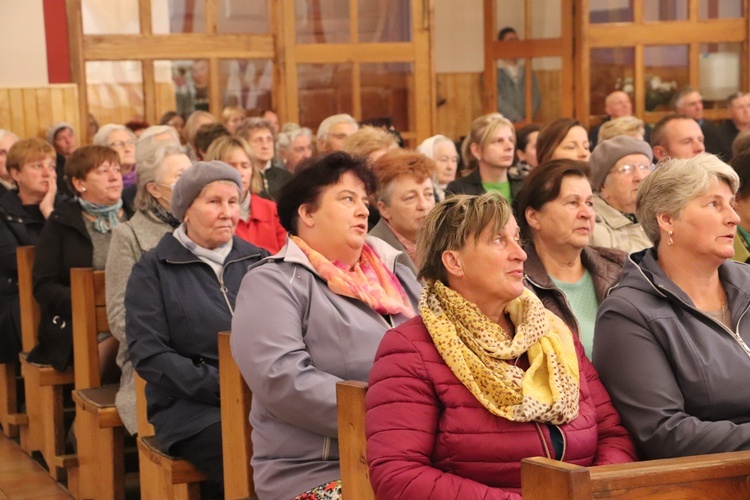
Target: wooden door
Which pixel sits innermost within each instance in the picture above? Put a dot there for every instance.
(543, 56)
(368, 58)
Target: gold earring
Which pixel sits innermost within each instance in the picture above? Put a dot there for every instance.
(670, 242)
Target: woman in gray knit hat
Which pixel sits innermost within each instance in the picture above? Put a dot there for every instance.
(179, 296)
(617, 167)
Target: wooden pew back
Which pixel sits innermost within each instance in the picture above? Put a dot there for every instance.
(29, 305)
(89, 319)
(236, 401)
(355, 474)
(722, 475)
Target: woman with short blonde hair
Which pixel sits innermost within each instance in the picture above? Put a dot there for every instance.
(623, 125)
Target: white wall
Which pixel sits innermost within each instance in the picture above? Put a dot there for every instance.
(459, 36)
(23, 50)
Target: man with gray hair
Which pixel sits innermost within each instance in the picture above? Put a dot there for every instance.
(333, 131)
(688, 101)
(294, 145)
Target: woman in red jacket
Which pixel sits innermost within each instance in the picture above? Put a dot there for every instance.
(485, 376)
(259, 221)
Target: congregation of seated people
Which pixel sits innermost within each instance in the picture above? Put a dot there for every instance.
(569, 293)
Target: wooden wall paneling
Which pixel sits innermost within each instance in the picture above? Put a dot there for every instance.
(17, 121)
(463, 103)
(57, 103)
(144, 17)
(30, 113)
(77, 65)
(489, 94)
(694, 65)
(215, 101)
(638, 81)
(5, 121)
(567, 82)
(422, 101)
(289, 62)
(212, 16)
(43, 110)
(278, 32)
(666, 33)
(150, 93)
(582, 63)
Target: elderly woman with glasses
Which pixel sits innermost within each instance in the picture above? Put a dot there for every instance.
(485, 376)
(121, 139)
(618, 166)
(161, 165)
(672, 341)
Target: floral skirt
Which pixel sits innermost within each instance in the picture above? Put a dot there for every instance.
(328, 491)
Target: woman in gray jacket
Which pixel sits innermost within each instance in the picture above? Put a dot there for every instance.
(310, 316)
(671, 342)
(160, 165)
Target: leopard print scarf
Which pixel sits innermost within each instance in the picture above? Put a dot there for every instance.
(477, 350)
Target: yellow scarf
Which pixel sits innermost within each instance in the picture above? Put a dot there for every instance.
(476, 348)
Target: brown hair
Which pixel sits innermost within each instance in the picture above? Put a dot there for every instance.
(659, 134)
(552, 136)
(397, 163)
(250, 125)
(543, 185)
(27, 150)
(224, 146)
(451, 223)
(85, 159)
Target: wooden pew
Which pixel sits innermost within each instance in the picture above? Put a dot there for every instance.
(100, 433)
(718, 476)
(43, 385)
(355, 475)
(237, 445)
(161, 475)
(10, 417)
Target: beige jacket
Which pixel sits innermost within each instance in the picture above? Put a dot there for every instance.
(614, 230)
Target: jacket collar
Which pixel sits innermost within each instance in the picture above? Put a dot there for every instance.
(171, 251)
(610, 215)
(643, 272)
(69, 213)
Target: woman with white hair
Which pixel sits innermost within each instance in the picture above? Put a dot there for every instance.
(670, 345)
(121, 139)
(7, 139)
(443, 152)
(162, 163)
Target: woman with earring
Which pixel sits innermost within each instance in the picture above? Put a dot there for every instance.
(77, 234)
(672, 341)
(161, 164)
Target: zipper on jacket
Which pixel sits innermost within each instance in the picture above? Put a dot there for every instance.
(732, 333)
(565, 443)
(544, 441)
(222, 288)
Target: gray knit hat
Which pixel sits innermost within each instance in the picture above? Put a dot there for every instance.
(609, 152)
(55, 128)
(194, 179)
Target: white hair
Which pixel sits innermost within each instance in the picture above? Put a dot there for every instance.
(4, 133)
(152, 157)
(429, 145)
(285, 138)
(329, 122)
(101, 138)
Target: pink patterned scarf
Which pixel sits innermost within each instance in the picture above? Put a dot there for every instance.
(370, 281)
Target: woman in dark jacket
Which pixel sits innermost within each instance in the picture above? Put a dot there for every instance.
(77, 234)
(31, 164)
(557, 221)
(179, 296)
(485, 377)
(672, 339)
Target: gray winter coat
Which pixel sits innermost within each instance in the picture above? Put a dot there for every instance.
(678, 377)
(293, 339)
(129, 241)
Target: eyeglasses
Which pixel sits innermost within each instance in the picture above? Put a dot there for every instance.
(122, 144)
(630, 169)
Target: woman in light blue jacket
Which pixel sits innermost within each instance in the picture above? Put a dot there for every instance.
(310, 316)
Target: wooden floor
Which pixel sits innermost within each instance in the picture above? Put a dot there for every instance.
(22, 478)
